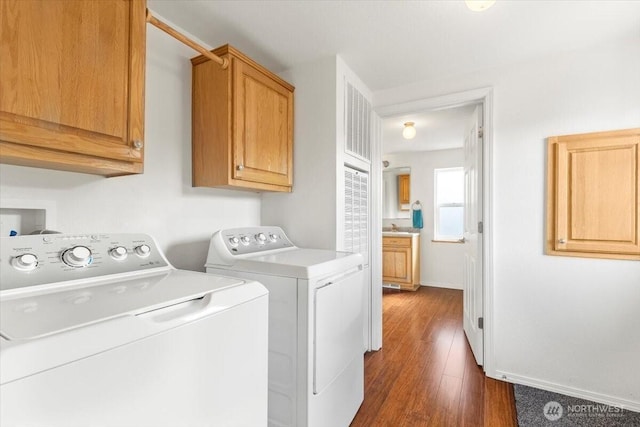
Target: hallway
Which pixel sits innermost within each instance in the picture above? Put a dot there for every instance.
(425, 374)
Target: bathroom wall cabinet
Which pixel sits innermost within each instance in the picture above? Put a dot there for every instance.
(404, 194)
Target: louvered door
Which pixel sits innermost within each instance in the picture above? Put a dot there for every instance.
(356, 212)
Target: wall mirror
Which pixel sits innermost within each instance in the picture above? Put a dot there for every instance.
(396, 185)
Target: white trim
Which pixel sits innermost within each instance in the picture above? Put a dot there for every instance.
(375, 246)
(485, 96)
(487, 218)
(569, 391)
(457, 99)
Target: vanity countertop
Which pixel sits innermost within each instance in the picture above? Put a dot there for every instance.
(400, 233)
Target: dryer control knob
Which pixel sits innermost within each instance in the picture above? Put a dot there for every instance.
(273, 237)
(25, 262)
(78, 256)
(143, 251)
(261, 238)
(245, 240)
(233, 241)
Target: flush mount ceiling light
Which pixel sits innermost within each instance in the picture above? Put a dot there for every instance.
(409, 131)
(479, 5)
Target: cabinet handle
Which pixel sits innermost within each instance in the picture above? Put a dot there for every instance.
(138, 144)
(240, 167)
(562, 241)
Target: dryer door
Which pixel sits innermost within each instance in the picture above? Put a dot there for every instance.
(337, 326)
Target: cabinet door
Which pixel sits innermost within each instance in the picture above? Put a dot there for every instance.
(403, 191)
(71, 84)
(594, 205)
(396, 264)
(263, 127)
(356, 212)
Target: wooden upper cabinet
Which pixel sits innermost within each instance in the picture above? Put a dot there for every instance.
(593, 204)
(242, 125)
(72, 84)
(404, 195)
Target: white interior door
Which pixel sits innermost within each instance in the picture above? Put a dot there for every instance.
(473, 286)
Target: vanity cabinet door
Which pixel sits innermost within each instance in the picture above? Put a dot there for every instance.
(401, 261)
(396, 264)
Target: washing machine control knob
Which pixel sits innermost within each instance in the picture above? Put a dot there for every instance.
(118, 253)
(261, 238)
(143, 251)
(233, 241)
(245, 240)
(25, 262)
(78, 256)
(273, 237)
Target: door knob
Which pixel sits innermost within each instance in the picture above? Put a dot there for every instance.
(562, 241)
(240, 167)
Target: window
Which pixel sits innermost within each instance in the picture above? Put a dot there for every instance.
(449, 204)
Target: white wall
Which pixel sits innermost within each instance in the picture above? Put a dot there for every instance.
(308, 214)
(161, 201)
(440, 263)
(569, 324)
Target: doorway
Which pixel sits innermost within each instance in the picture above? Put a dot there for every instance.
(476, 276)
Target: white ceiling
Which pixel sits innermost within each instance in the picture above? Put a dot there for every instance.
(435, 130)
(394, 43)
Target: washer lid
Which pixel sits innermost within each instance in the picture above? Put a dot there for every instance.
(299, 263)
(29, 315)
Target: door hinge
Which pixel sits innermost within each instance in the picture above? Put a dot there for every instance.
(480, 322)
(480, 132)
(480, 227)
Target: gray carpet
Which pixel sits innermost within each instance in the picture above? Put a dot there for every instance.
(540, 408)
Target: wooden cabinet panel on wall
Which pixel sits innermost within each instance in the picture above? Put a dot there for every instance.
(404, 195)
(401, 261)
(593, 195)
(242, 125)
(72, 85)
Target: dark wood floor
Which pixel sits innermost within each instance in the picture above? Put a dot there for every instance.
(425, 374)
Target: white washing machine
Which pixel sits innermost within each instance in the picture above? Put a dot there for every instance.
(100, 330)
(316, 365)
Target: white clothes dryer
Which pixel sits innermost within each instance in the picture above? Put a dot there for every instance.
(316, 352)
(100, 330)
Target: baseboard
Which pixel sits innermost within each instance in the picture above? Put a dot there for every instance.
(442, 285)
(569, 391)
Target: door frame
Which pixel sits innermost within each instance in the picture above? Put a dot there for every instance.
(482, 96)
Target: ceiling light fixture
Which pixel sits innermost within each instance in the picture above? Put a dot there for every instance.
(409, 131)
(479, 5)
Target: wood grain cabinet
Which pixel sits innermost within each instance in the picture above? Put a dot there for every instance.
(404, 195)
(242, 125)
(593, 195)
(72, 85)
(401, 261)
